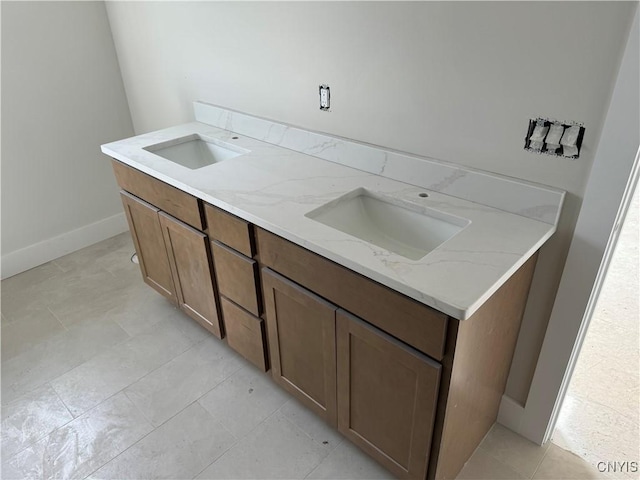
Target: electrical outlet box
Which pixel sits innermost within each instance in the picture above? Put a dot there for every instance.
(551, 137)
(325, 97)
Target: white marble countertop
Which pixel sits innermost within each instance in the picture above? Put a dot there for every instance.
(274, 187)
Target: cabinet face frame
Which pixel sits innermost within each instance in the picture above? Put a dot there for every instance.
(150, 246)
(318, 310)
(395, 356)
(186, 248)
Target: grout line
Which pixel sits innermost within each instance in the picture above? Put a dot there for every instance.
(59, 267)
(541, 460)
(501, 462)
(124, 392)
(238, 439)
(73, 417)
(24, 447)
(5, 320)
(286, 417)
(341, 442)
(56, 317)
(120, 453)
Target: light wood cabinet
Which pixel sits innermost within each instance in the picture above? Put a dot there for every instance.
(144, 224)
(245, 333)
(230, 230)
(412, 322)
(172, 200)
(302, 342)
(237, 277)
(415, 389)
(381, 393)
(175, 260)
(387, 396)
(190, 262)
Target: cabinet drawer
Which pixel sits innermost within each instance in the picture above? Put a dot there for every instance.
(230, 230)
(237, 277)
(175, 202)
(245, 333)
(402, 317)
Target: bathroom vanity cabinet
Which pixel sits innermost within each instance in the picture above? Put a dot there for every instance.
(174, 256)
(414, 388)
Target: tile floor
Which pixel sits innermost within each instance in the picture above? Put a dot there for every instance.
(103, 378)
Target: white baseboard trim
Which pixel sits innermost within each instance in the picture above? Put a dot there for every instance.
(42, 252)
(510, 414)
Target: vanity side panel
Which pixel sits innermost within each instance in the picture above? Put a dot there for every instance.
(476, 367)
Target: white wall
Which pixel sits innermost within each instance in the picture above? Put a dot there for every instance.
(62, 96)
(606, 200)
(455, 81)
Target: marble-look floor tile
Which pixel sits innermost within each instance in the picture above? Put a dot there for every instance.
(244, 400)
(165, 391)
(67, 284)
(97, 379)
(30, 418)
(611, 340)
(57, 355)
(104, 253)
(34, 326)
(22, 290)
(87, 294)
(187, 327)
(119, 262)
(143, 309)
(482, 466)
(596, 433)
(562, 464)
(275, 449)
(609, 383)
(347, 462)
(9, 471)
(179, 449)
(311, 424)
(83, 445)
(514, 450)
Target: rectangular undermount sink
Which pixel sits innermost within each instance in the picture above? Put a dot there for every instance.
(195, 151)
(408, 229)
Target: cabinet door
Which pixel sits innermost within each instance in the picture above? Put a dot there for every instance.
(190, 262)
(301, 328)
(387, 394)
(146, 231)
